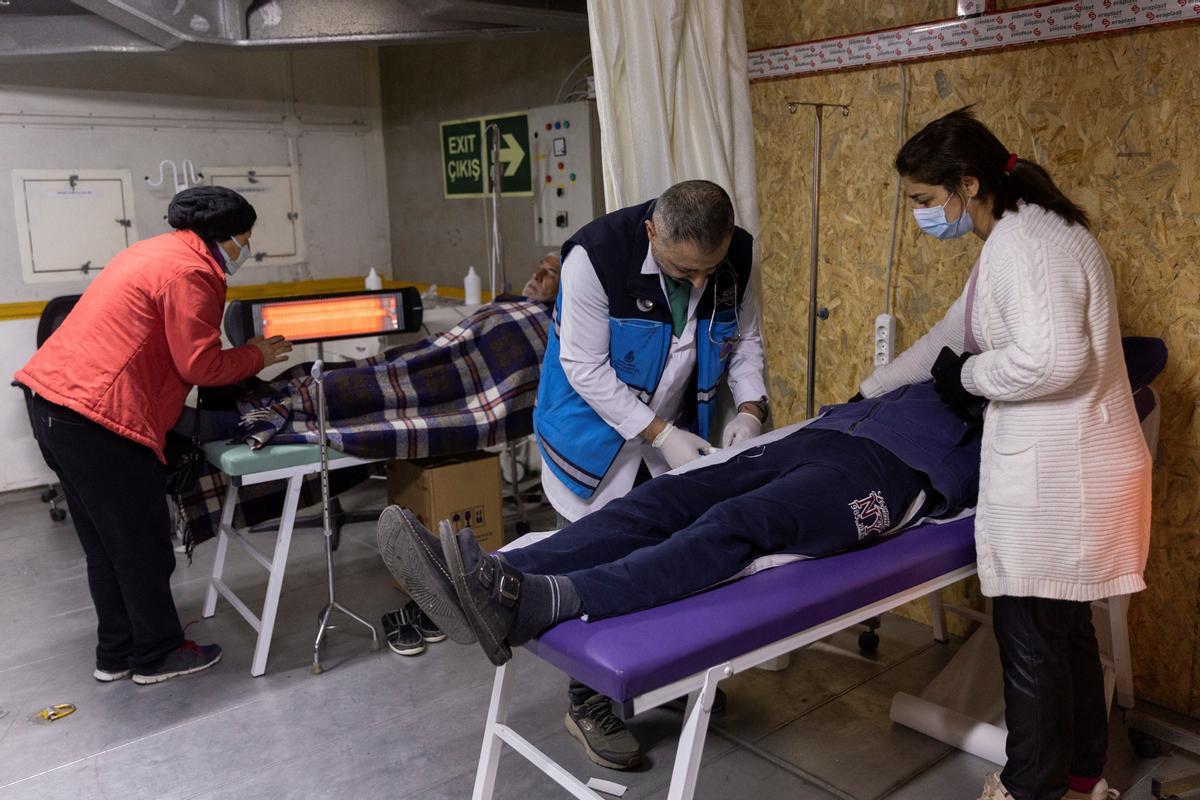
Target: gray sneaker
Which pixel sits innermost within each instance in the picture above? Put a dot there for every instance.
(187, 659)
(603, 735)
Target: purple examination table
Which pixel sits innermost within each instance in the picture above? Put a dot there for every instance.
(651, 657)
(686, 647)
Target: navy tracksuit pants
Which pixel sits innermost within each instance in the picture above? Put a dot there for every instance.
(812, 493)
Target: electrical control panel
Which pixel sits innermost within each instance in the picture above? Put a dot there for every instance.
(568, 191)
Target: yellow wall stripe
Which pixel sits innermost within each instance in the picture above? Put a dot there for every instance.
(30, 310)
(33, 309)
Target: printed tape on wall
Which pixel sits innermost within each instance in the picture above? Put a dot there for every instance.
(1020, 26)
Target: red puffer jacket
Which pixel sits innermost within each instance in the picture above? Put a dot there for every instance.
(144, 332)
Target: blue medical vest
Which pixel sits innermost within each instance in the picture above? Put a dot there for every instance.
(576, 444)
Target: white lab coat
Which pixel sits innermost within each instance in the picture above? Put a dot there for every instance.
(584, 353)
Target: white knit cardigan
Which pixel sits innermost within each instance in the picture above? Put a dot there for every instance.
(1064, 483)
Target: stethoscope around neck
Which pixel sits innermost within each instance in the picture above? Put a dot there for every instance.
(732, 340)
(727, 344)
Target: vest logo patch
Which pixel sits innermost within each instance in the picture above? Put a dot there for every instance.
(727, 297)
(870, 515)
(629, 357)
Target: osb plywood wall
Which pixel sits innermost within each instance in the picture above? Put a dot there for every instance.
(1117, 123)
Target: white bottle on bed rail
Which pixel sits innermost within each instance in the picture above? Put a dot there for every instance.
(374, 282)
(472, 288)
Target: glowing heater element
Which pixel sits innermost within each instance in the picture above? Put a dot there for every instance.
(331, 318)
(319, 318)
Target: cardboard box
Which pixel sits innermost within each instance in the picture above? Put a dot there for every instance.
(463, 489)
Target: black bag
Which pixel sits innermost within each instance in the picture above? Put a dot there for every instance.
(185, 460)
(185, 457)
(185, 465)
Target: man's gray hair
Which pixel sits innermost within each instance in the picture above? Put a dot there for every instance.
(699, 212)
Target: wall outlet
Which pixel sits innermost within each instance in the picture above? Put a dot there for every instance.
(884, 339)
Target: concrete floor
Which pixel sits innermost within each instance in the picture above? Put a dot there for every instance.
(377, 724)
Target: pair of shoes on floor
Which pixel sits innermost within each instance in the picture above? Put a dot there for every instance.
(414, 557)
(993, 789)
(408, 629)
(603, 734)
(680, 703)
(187, 659)
(470, 594)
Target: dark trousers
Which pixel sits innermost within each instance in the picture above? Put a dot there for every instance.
(1054, 696)
(116, 492)
(578, 691)
(812, 493)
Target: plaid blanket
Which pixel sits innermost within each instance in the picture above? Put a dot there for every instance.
(466, 389)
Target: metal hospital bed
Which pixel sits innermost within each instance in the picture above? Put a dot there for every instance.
(366, 314)
(651, 657)
(312, 319)
(246, 467)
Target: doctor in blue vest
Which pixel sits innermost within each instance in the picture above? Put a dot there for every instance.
(654, 312)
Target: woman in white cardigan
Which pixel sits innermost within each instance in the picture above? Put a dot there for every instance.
(1064, 491)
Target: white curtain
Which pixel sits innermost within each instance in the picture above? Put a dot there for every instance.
(673, 99)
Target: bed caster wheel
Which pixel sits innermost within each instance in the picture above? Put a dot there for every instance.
(1144, 745)
(49, 495)
(58, 514)
(868, 642)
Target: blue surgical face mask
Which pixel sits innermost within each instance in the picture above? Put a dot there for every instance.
(933, 221)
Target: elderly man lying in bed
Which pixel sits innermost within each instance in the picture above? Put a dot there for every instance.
(859, 472)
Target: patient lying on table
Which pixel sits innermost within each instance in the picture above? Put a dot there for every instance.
(859, 472)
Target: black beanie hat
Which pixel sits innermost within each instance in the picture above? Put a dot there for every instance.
(213, 212)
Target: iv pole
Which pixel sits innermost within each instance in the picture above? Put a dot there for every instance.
(496, 257)
(500, 277)
(318, 374)
(813, 312)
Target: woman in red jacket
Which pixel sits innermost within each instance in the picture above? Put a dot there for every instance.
(108, 385)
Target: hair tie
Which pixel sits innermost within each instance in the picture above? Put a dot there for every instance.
(1012, 162)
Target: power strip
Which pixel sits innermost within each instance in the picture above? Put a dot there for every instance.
(885, 339)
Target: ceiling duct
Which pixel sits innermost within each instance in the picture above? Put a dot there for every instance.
(49, 28)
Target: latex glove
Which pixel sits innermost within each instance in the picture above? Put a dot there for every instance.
(947, 382)
(679, 447)
(742, 427)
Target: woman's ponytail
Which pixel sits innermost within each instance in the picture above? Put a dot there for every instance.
(956, 145)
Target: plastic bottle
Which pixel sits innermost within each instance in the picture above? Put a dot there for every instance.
(473, 288)
(374, 282)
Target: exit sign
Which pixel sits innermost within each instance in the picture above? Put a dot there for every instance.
(467, 156)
